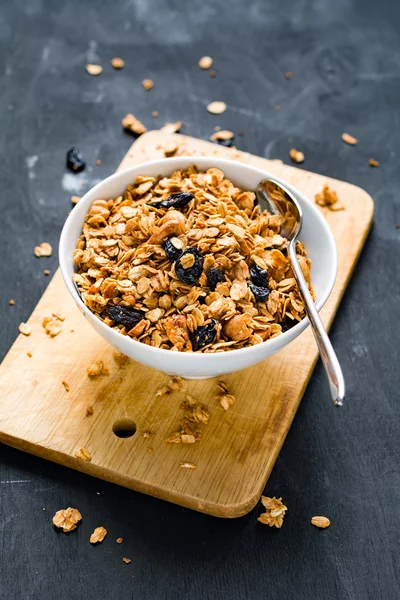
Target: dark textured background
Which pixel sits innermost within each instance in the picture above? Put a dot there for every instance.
(345, 60)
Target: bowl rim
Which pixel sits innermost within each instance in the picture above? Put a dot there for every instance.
(176, 162)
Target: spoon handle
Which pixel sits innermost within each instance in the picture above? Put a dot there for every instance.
(326, 351)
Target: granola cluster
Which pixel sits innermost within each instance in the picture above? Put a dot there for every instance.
(188, 263)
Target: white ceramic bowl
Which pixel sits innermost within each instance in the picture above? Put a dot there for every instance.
(315, 234)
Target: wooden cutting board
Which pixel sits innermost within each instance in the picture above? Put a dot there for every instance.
(238, 448)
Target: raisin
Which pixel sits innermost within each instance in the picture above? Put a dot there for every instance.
(214, 276)
(192, 274)
(179, 200)
(204, 335)
(75, 160)
(171, 251)
(226, 143)
(260, 293)
(125, 316)
(258, 276)
(288, 325)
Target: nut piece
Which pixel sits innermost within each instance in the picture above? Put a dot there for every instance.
(131, 123)
(94, 69)
(52, 325)
(171, 127)
(349, 139)
(147, 84)
(223, 135)
(11, 302)
(25, 329)
(170, 149)
(67, 519)
(75, 199)
(126, 560)
(296, 155)
(321, 522)
(44, 249)
(275, 512)
(205, 62)
(98, 535)
(172, 224)
(120, 540)
(187, 465)
(216, 108)
(83, 454)
(117, 63)
(96, 369)
(373, 163)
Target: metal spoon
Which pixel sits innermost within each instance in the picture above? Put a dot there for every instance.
(276, 199)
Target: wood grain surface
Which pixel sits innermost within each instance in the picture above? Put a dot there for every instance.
(239, 447)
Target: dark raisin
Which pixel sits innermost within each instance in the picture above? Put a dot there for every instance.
(260, 293)
(204, 335)
(125, 316)
(171, 251)
(226, 143)
(191, 274)
(288, 325)
(75, 160)
(214, 276)
(259, 276)
(179, 200)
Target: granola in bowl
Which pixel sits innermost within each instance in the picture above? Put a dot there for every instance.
(188, 263)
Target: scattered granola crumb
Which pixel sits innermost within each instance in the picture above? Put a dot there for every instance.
(94, 69)
(83, 454)
(120, 358)
(59, 316)
(216, 108)
(349, 139)
(296, 155)
(225, 398)
(212, 73)
(205, 62)
(131, 123)
(155, 114)
(328, 198)
(163, 391)
(46, 272)
(67, 519)
(117, 63)
(98, 162)
(275, 512)
(75, 199)
(288, 75)
(52, 325)
(277, 107)
(171, 127)
(149, 450)
(29, 354)
(89, 411)
(44, 249)
(195, 415)
(96, 369)
(176, 383)
(126, 560)
(98, 535)
(321, 522)
(66, 385)
(147, 435)
(147, 84)
(170, 149)
(222, 135)
(187, 465)
(11, 302)
(120, 540)
(25, 329)
(373, 163)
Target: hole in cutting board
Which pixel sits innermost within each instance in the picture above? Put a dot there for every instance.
(124, 428)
